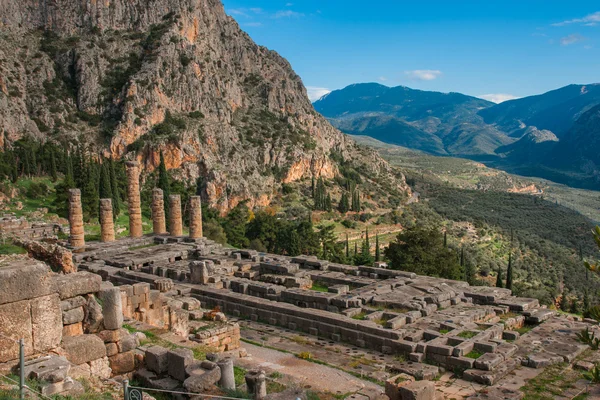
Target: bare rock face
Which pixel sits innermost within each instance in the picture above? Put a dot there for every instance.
(135, 78)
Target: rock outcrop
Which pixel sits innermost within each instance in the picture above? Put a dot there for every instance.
(135, 78)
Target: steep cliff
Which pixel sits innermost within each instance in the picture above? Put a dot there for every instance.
(136, 77)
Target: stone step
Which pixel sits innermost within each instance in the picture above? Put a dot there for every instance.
(491, 377)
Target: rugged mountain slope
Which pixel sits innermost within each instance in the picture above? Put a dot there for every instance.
(136, 77)
(442, 123)
(555, 111)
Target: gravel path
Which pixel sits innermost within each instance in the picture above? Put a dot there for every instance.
(314, 376)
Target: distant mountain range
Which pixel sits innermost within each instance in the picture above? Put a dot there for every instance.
(555, 135)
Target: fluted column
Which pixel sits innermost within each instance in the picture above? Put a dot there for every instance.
(134, 203)
(195, 217)
(77, 236)
(175, 220)
(158, 212)
(107, 225)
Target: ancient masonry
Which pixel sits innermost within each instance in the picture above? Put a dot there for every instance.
(175, 219)
(77, 238)
(134, 202)
(107, 225)
(158, 212)
(170, 281)
(195, 217)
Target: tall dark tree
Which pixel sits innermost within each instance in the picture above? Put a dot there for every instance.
(347, 247)
(509, 273)
(344, 204)
(105, 188)
(53, 171)
(499, 279)
(377, 249)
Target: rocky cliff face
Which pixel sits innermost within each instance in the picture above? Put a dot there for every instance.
(135, 77)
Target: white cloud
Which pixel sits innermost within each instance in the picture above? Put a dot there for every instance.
(256, 10)
(571, 39)
(498, 97)
(423, 74)
(382, 78)
(315, 93)
(237, 11)
(588, 20)
(287, 14)
(253, 24)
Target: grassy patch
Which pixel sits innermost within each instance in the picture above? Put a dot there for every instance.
(319, 287)
(524, 329)
(551, 383)
(360, 316)
(444, 331)
(467, 334)
(10, 248)
(240, 375)
(474, 354)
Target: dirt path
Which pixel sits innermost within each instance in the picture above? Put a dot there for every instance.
(311, 375)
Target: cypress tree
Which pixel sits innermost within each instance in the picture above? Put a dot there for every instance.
(355, 248)
(377, 249)
(499, 281)
(445, 239)
(586, 302)
(564, 302)
(53, 172)
(347, 247)
(14, 169)
(163, 180)
(312, 186)
(343, 206)
(105, 188)
(509, 273)
(367, 243)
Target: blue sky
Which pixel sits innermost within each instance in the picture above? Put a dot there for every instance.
(485, 48)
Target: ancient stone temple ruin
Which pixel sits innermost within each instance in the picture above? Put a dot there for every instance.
(174, 282)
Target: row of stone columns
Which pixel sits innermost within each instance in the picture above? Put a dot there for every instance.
(107, 227)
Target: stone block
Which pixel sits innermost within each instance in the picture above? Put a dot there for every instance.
(141, 288)
(510, 335)
(122, 363)
(488, 361)
(460, 362)
(24, 280)
(72, 330)
(100, 368)
(46, 322)
(420, 390)
(67, 385)
(112, 309)
(83, 349)
(77, 284)
(112, 336)
(178, 360)
(73, 303)
(15, 323)
(50, 368)
(416, 357)
(128, 343)
(157, 359)
(111, 349)
(72, 316)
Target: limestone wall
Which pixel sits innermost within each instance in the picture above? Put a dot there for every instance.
(224, 338)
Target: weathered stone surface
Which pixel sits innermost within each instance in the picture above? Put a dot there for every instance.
(200, 379)
(175, 220)
(112, 336)
(73, 330)
(73, 316)
(49, 368)
(488, 361)
(77, 236)
(128, 343)
(195, 217)
(157, 359)
(94, 320)
(77, 284)
(100, 368)
(46, 322)
(122, 363)
(112, 309)
(83, 349)
(24, 280)
(58, 257)
(133, 199)
(158, 212)
(420, 390)
(178, 360)
(107, 225)
(111, 349)
(73, 303)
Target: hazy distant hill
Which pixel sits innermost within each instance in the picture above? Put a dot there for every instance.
(440, 123)
(555, 111)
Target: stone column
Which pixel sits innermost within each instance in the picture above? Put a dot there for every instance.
(199, 272)
(256, 382)
(107, 225)
(175, 221)
(134, 203)
(195, 217)
(227, 376)
(158, 212)
(77, 238)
